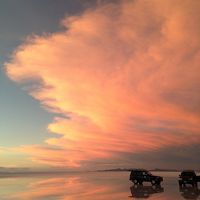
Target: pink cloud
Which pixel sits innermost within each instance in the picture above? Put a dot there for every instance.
(125, 77)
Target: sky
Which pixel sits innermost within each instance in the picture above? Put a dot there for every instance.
(100, 84)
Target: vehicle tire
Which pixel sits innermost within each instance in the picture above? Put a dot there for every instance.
(194, 184)
(140, 182)
(157, 182)
(180, 183)
(153, 182)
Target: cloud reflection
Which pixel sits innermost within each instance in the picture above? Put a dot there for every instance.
(69, 187)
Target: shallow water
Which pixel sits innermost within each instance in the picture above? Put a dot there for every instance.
(91, 186)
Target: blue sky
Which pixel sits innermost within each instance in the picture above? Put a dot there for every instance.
(22, 116)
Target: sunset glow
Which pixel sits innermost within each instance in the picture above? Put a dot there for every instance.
(122, 80)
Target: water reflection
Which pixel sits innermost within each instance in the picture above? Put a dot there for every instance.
(188, 192)
(90, 186)
(140, 191)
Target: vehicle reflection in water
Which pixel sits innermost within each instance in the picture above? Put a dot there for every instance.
(189, 192)
(140, 191)
(89, 186)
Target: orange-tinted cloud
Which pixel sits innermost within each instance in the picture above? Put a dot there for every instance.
(125, 77)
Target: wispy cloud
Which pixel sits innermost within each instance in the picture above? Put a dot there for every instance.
(125, 77)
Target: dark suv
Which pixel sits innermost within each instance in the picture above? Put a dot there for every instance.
(188, 177)
(139, 176)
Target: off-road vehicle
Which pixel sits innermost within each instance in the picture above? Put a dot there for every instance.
(139, 176)
(188, 177)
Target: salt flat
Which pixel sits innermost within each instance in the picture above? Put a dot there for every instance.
(90, 186)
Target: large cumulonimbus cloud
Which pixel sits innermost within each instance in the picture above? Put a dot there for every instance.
(125, 76)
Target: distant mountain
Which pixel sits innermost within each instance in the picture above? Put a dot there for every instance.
(129, 169)
(13, 169)
(165, 170)
(114, 170)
